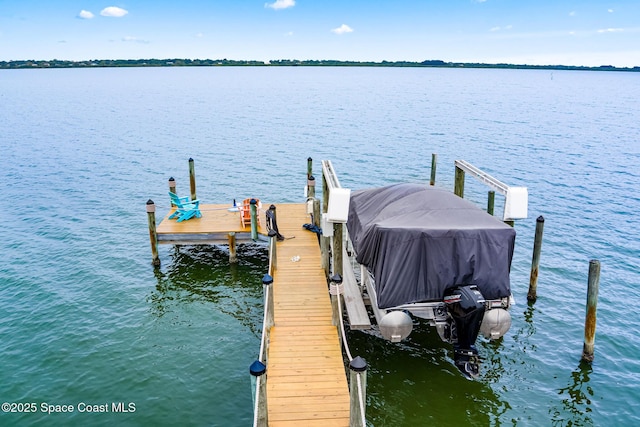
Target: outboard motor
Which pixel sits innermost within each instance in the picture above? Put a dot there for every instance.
(465, 304)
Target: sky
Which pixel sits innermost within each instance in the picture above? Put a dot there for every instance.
(540, 32)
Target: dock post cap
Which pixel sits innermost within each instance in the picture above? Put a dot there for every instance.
(151, 207)
(309, 158)
(267, 279)
(257, 368)
(358, 364)
(191, 159)
(336, 278)
(311, 181)
(272, 207)
(540, 219)
(172, 179)
(253, 201)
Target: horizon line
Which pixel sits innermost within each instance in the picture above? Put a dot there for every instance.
(254, 62)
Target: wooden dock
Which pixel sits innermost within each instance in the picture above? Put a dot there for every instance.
(307, 383)
(306, 377)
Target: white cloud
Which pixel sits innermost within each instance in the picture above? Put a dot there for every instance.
(572, 13)
(610, 10)
(85, 14)
(507, 27)
(344, 28)
(280, 4)
(611, 30)
(113, 11)
(289, 34)
(199, 35)
(133, 39)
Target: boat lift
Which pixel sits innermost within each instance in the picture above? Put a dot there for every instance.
(516, 198)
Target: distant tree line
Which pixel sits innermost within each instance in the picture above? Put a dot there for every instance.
(176, 62)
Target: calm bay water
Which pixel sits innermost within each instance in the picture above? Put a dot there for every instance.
(85, 319)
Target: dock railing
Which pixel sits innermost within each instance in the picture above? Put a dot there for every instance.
(258, 369)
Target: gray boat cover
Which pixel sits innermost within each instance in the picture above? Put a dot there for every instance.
(418, 241)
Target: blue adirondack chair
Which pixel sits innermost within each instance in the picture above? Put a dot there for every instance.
(185, 208)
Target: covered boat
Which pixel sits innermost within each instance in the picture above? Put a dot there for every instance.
(418, 241)
(437, 256)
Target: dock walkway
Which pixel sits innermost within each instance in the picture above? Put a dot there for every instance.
(306, 378)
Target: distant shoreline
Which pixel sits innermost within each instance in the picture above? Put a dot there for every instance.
(105, 63)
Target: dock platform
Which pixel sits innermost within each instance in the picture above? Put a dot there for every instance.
(218, 220)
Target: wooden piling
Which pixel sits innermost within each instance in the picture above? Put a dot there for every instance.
(309, 175)
(153, 234)
(434, 160)
(535, 261)
(192, 179)
(273, 259)
(233, 256)
(337, 248)
(335, 290)
(267, 286)
(491, 199)
(324, 254)
(172, 188)
(316, 212)
(459, 183)
(254, 219)
(311, 186)
(258, 371)
(357, 369)
(324, 241)
(592, 302)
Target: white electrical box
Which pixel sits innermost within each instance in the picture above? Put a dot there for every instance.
(338, 209)
(516, 203)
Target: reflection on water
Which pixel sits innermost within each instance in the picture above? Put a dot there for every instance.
(423, 366)
(576, 399)
(528, 330)
(203, 273)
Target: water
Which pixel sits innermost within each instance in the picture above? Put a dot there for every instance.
(85, 319)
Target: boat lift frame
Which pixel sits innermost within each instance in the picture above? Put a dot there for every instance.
(516, 198)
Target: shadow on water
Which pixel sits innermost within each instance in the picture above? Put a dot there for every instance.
(203, 273)
(576, 400)
(416, 383)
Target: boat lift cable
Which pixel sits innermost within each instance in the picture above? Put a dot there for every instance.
(264, 324)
